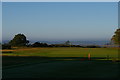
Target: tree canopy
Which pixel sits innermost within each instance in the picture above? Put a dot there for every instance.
(116, 37)
(19, 40)
(38, 44)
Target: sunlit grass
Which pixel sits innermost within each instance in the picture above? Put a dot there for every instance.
(65, 52)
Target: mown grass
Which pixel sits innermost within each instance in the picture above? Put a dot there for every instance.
(36, 55)
(65, 52)
(60, 63)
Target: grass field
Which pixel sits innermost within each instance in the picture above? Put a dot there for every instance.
(60, 63)
(63, 52)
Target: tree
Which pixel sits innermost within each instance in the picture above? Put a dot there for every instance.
(38, 44)
(68, 43)
(116, 37)
(0, 45)
(19, 40)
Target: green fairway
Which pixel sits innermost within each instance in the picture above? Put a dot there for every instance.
(66, 52)
(60, 63)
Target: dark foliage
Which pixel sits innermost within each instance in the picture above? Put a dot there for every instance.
(91, 46)
(6, 46)
(19, 40)
(38, 44)
(116, 37)
(63, 45)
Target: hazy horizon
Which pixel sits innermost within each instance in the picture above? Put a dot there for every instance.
(74, 42)
(52, 21)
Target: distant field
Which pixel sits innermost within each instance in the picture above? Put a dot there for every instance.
(63, 52)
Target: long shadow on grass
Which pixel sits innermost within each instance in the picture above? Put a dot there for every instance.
(10, 61)
(13, 61)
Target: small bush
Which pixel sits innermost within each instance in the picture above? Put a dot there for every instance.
(92, 46)
(6, 46)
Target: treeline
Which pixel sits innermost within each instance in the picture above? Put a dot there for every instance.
(7, 46)
(20, 41)
(38, 44)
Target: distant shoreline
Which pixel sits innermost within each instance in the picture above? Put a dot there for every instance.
(74, 42)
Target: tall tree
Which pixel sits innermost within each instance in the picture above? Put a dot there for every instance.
(116, 37)
(19, 40)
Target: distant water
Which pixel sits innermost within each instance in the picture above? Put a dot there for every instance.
(73, 42)
(78, 42)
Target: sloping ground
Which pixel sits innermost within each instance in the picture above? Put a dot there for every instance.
(65, 69)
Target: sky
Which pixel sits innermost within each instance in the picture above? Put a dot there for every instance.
(59, 20)
(60, 0)
(0, 22)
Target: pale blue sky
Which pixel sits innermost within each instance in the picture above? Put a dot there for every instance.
(60, 21)
(0, 22)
